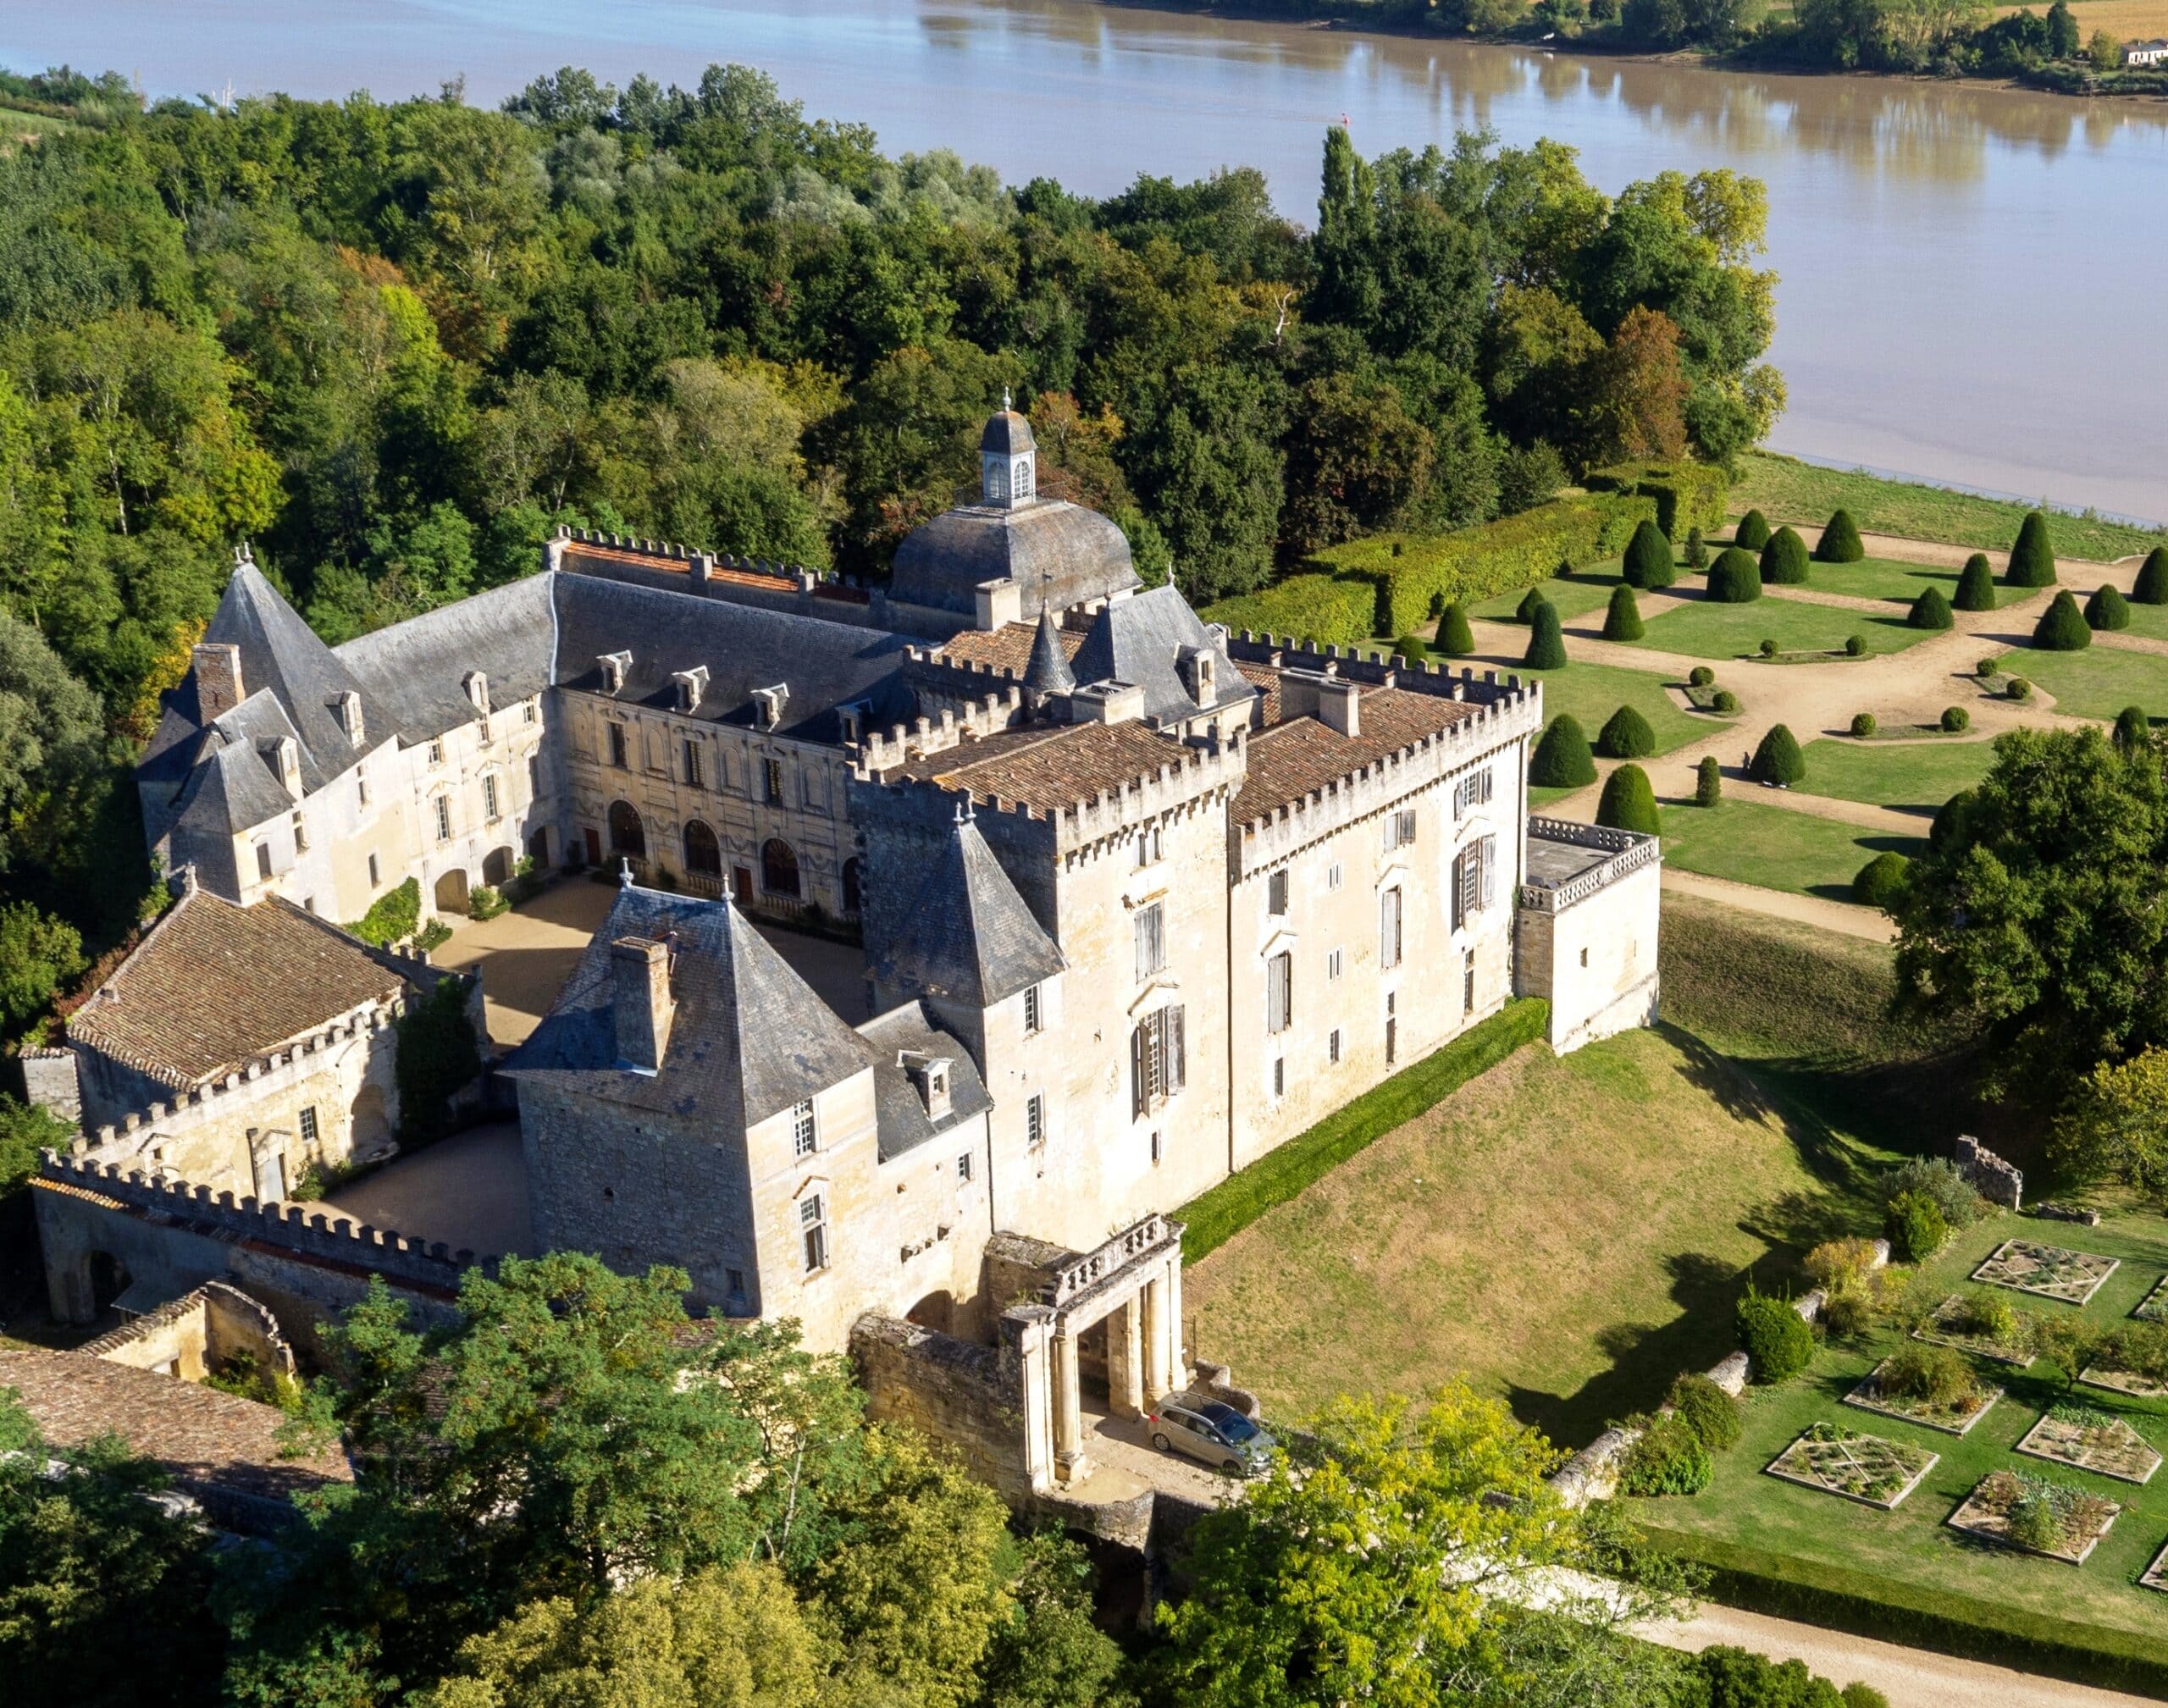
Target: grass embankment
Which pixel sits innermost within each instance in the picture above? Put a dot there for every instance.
(1785, 490)
(1910, 1561)
(1774, 847)
(2097, 683)
(1707, 629)
(1912, 776)
(1570, 1233)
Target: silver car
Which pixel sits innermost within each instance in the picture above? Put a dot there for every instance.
(1211, 1431)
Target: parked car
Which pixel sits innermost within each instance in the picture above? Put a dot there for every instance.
(1212, 1431)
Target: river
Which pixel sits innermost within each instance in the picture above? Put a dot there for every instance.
(1974, 279)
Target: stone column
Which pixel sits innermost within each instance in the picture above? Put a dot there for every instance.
(1125, 1360)
(1157, 1358)
(1068, 1460)
(1178, 1364)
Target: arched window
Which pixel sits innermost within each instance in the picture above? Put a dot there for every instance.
(703, 853)
(853, 896)
(778, 868)
(627, 836)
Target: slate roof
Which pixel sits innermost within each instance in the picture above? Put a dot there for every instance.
(214, 984)
(1007, 433)
(1048, 768)
(1137, 640)
(1049, 671)
(968, 937)
(1059, 553)
(281, 653)
(413, 674)
(904, 1124)
(749, 1038)
(1291, 760)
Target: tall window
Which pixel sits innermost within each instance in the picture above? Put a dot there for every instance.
(778, 867)
(1389, 928)
(1332, 965)
(442, 806)
(360, 785)
(1467, 982)
(964, 1166)
(264, 859)
(1472, 790)
(804, 1140)
(695, 772)
(813, 1223)
(1156, 1058)
(489, 808)
(1151, 940)
(376, 875)
(1275, 893)
(1332, 1046)
(617, 745)
(1149, 846)
(1472, 879)
(301, 835)
(1279, 992)
(771, 774)
(1034, 1011)
(436, 752)
(308, 1125)
(534, 776)
(1035, 1121)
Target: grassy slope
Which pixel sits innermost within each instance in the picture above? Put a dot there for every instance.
(1913, 776)
(1592, 692)
(1750, 842)
(2097, 683)
(1786, 490)
(1706, 629)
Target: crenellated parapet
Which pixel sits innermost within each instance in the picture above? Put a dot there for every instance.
(1619, 852)
(877, 751)
(1373, 669)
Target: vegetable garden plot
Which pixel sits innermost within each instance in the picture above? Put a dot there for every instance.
(1865, 1468)
(2051, 1271)
(1954, 1417)
(2092, 1441)
(2035, 1515)
(1945, 1328)
(2153, 1307)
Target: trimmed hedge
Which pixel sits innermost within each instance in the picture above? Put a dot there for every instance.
(1734, 579)
(1778, 759)
(1878, 881)
(1783, 559)
(2133, 730)
(1413, 648)
(1629, 802)
(1314, 608)
(2108, 610)
(1752, 533)
(1623, 620)
(1840, 540)
(1863, 725)
(2032, 559)
(1976, 586)
(2152, 585)
(392, 917)
(1562, 759)
(1687, 494)
(2062, 627)
(1475, 563)
(1546, 642)
(1456, 639)
(1930, 610)
(1213, 1218)
(1626, 735)
(1955, 720)
(1532, 601)
(1648, 559)
(1708, 782)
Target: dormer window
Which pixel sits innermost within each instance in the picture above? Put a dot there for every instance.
(614, 666)
(929, 1078)
(477, 691)
(692, 685)
(768, 704)
(348, 706)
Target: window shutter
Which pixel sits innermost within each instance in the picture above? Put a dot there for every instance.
(1140, 1078)
(1177, 1065)
(1489, 849)
(1459, 888)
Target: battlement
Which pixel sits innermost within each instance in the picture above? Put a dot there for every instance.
(877, 752)
(292, 1228)
(1372, 668)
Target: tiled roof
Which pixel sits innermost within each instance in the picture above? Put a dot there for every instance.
(1006, 647)
(1292, 759)
(1265, 679)
(1049, 769)
(215, 984)
(205, 1438)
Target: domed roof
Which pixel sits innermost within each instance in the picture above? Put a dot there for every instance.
(1007, 435)
(1058, 554)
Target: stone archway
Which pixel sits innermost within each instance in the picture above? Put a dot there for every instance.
(627, 835)
(497, 867)
(779, 868)
(703, 853)
(937, 1311)
(451, 892)
(371, 1133)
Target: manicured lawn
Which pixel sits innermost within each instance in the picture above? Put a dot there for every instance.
(1741, 839)
(1787, 491)
(1574, 595)
(1885, 578)
(1706, 629)
(1592, 692)
(1914, 777)
(1909, 1558)
(2148, 620)
(2097, 683)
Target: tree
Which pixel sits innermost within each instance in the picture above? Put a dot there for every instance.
(2032, 559)
(1562, 759)
(1734, 579)
(1626, 735)
(1547, 645)
(1784, 559)
(1456, 639)
(1207, 469)
(25, 1129)
(1637, 391)
(1355, 458)
(1752, 533)
(1648, 557)
(1840, 540)
(1628, 802)
(1708, 782)
(38, 955)
(2105, 50)
(52, 757)
(2116, 1126)
(1778, 759)
(2107, 610)
(1728, 1678)
(2152, 585)
(2062, 30)
(2062, 627)
(2133, 731)
(1975, 585)
(1930, 610)
(2040, 915)
(1622, 620)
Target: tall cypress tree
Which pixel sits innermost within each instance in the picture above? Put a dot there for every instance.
(1648, 558)
(1348, 290)
(1622, 621)
(1547, 645)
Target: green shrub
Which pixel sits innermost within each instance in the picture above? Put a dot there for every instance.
(1708, 782)
(1768, 648)
(1622, 621)
(1648, 559)
(1777, 760)
(1697, 550)
(1752, 532)
(1712, 1413)
(1413, 648)
(485, 902)
(1725, 701)
(1854, 646)
(1456, 639)
(1701, 676)
(392, 916)
(1930, 610)
(2032, 559)
(1777, 1342)
(1950, 821)
(2152, 585)
(2133, 730)
(1686, 494)
(1532, 601)
(1315, 608)
(1976, 585)
(1626, 735)
(1989, 1316)
(2107, 610)
(2032, 1521)
(2017, 687)
(1879, 882)
(1914, 1227)
(1921, 1370)
(1783, 559)
(1940, 1179)
(1840, 540)
(1955, 720)
(1666, 1458)
(1839, 1265)
(1856, 1694)
(1628, 802)
(1562, 759)
(1988, 667)
(2062, 627)
(2138, 1349)
(1734, 577)
(1863, 725)
(1547, 645)
(437, 1054)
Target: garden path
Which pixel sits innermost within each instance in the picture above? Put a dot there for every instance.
(1845, 917)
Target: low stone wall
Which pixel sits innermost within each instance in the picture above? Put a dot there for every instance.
(1991, 1177)
(968, 1396)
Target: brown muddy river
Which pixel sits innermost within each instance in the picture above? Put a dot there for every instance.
(1975, 280)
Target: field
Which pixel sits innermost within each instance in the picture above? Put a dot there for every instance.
(1912, 776)
(1706, 629)
(1788, 490)
(2097, 683)
(1749, 842)
(2125, 19)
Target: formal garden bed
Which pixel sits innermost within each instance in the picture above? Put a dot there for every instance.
(2018, 1509)
(1974, 1323)
(2153, 1307)
(2052, 1272)
(2155, 1576)
(1866, 1468)
(2117, 1381)
(2092, 1441)
(1954, 1408)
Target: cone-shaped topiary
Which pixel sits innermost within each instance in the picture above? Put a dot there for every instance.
(2133, 730)
(2062, 628)
(1778, 759)
(1708, 782)
(1547, 646)
(2108, 610)
(1930, 610)
(1623, 622)
(1562, 759)
(1734, 579)
(1752, 532)
(1626, 735)
(2032, 559)
(1648, 558)
(1783, 559)
(1456, 639)
(1525, 610)
(1880, 880)
(1697, 550)
(2152, 588)
(1840, 540)
(1413, 648)
(1628, 802)
(1976, 586)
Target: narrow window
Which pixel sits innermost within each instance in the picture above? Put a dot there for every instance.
(375, 873)
(444, 817)
(534, 776)
(1034, 1015)
(813, 1223)
(1275, 894)
(1467, 982)
(1332, 1046)
(963, 1166)
(309, 903)
(1156, 1148)
(1332, 965)
(301, 835)
(735, 1280)
(1332, 875)
(1278, 1076)
(1389, 928)
(1585, 957)
(695, 773)
(771, 774)
(436, 752)
(1035, 1121)
(360, 785)
(490, 797)
(617, 745)
(803, 1139)
(1278, 993)
(308, 1125)
(264, 859)
(532, 711)
(1392, 1041)
(1150, 942)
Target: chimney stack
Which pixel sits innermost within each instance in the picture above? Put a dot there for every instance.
(1340, 706)
(640, 972)
(219, 689)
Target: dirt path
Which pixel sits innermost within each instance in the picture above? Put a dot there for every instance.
(1853, 922)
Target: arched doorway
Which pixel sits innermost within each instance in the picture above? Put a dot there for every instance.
(937, 1311)
(497, 867)
(852, 894)
(372, 1134)
(778, 868)
(703, 853)
(451, 891)
(627, 837)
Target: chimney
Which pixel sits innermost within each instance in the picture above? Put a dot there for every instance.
(639, 975)
(217, 680)
(1340, 706)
